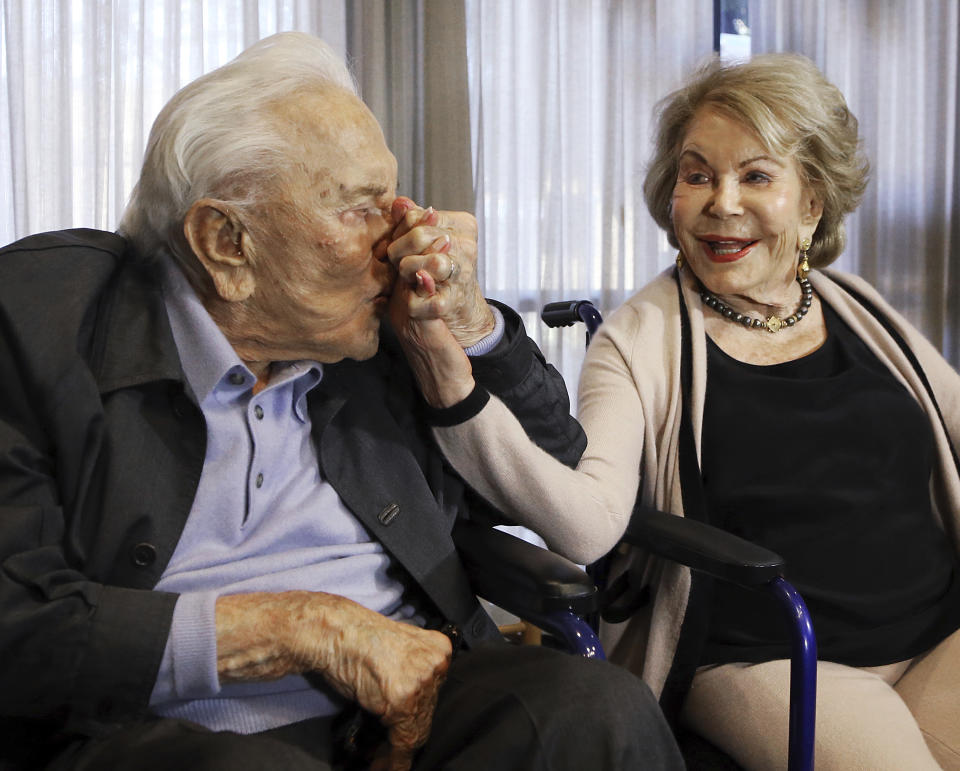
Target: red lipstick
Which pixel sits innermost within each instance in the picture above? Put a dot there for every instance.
(724, 248)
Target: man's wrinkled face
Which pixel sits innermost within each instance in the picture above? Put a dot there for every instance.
(322, 275)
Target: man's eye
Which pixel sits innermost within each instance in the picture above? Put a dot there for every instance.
(362, 212)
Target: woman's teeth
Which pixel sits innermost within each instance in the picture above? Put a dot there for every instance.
(727, 247)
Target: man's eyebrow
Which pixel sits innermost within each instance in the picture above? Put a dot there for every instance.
(363, 191)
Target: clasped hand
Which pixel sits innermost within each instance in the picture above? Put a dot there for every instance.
(437, 307)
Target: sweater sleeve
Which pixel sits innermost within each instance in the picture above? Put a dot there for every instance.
(580, 512)
(516, 372)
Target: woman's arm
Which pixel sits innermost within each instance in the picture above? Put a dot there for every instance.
(581, 512)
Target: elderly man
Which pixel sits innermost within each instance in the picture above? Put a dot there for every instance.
(224, 527)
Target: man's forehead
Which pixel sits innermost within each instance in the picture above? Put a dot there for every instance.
(340, 145)
(353, 177)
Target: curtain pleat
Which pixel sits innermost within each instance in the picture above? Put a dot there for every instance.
(537, 113)
(81, 83)
(897, 63)
(562, 93)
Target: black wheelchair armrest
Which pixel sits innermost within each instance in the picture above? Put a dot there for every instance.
(703, 547)
(520, 577)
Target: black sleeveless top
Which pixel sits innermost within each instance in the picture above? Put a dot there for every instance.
(826, 460)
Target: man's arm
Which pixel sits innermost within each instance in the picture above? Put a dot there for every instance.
(534, 391)
(392, 670)
(70, 645)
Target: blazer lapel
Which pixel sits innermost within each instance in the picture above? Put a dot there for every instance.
(367, 460)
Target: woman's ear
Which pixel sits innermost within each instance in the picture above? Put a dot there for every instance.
(222, 247)
(812, 212)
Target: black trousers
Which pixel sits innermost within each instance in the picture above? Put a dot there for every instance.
(501, 707)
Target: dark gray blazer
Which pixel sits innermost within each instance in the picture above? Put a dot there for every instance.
(101, 450)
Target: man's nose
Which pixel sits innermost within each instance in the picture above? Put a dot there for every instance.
(725, 199)
(384, 232)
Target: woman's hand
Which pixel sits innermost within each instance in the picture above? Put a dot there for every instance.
(437, 307)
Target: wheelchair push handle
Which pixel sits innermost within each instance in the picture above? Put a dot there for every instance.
(567, 312)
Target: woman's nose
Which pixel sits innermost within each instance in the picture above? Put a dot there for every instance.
(725, 199)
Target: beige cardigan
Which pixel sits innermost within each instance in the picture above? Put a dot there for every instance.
(630, 406)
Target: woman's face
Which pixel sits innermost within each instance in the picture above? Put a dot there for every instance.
(739, 212)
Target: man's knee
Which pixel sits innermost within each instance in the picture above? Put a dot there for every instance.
(583, 710)
(619, 710)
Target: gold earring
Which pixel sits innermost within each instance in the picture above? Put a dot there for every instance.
(679, 260)
(803, 266)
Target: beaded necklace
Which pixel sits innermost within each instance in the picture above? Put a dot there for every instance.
(771, 323)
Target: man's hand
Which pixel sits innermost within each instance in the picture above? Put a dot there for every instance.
(435, 252)
(437, 307)
(392, 670)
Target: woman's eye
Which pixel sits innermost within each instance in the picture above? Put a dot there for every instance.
(757, 176)
(695, 178)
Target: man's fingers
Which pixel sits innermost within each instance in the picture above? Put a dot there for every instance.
(399, 760)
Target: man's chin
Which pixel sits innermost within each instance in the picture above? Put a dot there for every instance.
(366, 348)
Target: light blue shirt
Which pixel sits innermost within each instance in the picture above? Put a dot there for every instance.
(263, 520)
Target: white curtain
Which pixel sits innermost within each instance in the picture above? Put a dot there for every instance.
(897, 63)
(561, 96)
(559, 112)
(81, 82)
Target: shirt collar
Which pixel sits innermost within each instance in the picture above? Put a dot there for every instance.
(210, 363)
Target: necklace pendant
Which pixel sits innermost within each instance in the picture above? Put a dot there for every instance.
(774, 323)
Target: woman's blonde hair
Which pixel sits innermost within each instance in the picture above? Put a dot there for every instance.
(795, 112)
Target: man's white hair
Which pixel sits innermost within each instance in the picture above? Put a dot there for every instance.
(217, 138)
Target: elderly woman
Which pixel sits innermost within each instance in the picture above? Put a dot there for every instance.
(751, 388)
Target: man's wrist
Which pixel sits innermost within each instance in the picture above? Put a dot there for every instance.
(492, 339)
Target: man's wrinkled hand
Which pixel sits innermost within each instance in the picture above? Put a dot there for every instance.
(392, 670)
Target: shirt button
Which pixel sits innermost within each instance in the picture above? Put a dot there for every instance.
(259, 480)
(236, 378)
(258, 411)
(144, 555)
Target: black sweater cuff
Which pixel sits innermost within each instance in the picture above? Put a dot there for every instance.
(460, 412)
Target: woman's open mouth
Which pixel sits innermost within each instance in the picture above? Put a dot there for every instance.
(720, 249)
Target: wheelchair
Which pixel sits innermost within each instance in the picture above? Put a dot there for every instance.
(567, 603)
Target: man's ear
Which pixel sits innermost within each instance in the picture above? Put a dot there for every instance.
(222, 247)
